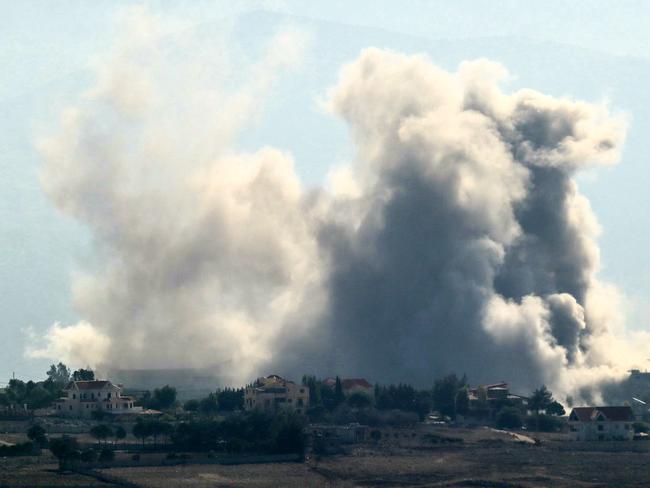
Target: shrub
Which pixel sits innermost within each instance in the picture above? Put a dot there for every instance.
(89, 456)
(544, 423)
(509, 418)
(106, 455)
(640, 427)
(21, 449)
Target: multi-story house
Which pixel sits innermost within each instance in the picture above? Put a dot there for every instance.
(274, 392)
(601, 423)
(84, 397)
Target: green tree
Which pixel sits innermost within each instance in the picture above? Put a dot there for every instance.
(59, 373)
(359, 400)
(287, 433)
(83, 374)
(462, 401)
(66, 450)
(555, 408)
(119, 433)
(106, 455)
(209, 405)
(315, 386)
(444, 394)
(338, 392)
(37, 397)
(541, 399)
(36, 434)
(88, 455)
(230, 399)
(164, 397)
(159, 428)
(142, 430)
(101, 432)
(191, 405)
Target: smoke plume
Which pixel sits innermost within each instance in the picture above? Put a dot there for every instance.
(457, 240)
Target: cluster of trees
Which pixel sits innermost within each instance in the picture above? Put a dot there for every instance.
(226, 400)
(540, 401)
(161, 399)
(449, 396)
(154, 428)
(258, 432)
(243, 432)
(323, 397)
(42, 394)
(68, 452)
(103, 432)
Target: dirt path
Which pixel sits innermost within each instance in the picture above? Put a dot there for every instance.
(516, 436)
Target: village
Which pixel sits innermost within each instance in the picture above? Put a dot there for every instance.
(75, 429)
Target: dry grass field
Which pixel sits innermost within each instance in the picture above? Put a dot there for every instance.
(484, 458)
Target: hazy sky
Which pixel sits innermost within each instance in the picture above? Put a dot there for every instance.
(592, 50)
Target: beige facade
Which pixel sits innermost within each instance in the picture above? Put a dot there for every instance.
(82, 398)
(601, 423)
(273, 393)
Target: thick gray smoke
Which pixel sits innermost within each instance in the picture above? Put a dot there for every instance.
(456, 241)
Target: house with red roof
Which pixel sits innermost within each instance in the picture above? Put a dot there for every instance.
(82, 398)
(601, 423)
(352, 385)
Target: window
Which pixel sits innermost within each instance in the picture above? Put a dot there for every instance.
(74, 396)
(70, 407)
(109, 395)
(92, 395)
(300, 402)
(600, 428)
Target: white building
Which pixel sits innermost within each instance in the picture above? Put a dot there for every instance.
(274, 392)
(84, 397)
(601, 423)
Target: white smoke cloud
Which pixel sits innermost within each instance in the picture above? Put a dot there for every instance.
(457, 240)
(204, 253)
(78, 345)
